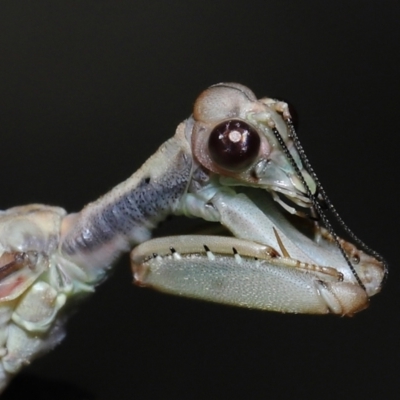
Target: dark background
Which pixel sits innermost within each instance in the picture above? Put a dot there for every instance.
(90, 89)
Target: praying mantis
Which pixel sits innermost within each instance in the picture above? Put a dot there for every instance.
(236, 161)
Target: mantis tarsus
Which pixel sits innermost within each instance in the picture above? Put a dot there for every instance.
(236, 161)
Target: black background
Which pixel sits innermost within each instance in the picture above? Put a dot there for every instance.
(90, 89)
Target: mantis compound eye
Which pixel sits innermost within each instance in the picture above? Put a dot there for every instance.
(234, 145)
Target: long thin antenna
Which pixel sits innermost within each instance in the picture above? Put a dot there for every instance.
(331, 207)
(313, 199)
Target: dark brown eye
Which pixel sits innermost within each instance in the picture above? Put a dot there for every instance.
(234, 145)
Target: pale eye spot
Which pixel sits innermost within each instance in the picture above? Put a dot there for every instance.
(235, 136)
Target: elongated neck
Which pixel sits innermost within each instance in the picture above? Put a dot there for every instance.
(94, 237)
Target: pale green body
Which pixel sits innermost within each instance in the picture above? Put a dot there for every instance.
(48, 257)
